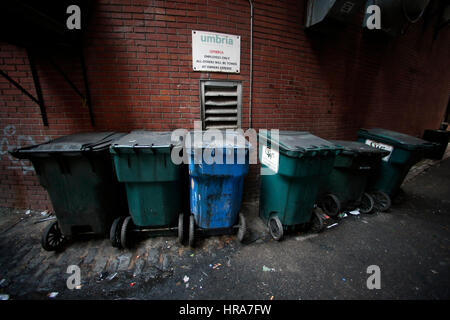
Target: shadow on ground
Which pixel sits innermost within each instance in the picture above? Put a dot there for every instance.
(410, 244)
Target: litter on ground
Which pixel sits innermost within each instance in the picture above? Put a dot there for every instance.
(111, 276)
(267, 269)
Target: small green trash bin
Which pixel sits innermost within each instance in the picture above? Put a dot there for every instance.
(404, 152)
(154, 186)
(288, 193)
(78, 174)
(345, 187)
(440, 138)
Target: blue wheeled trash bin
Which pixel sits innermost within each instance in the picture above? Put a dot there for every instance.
(216, 178)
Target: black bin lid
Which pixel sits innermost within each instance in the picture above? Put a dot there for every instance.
(395, 138)
(359, 148)
(78, 142)
(438, 132)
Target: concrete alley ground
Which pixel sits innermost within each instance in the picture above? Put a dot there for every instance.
(410, 243)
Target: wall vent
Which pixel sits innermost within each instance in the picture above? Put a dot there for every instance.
(221, 104)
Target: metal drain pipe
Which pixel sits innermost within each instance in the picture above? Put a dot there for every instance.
(251, 65)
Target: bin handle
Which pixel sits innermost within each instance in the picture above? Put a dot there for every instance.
(90, 146)
(136, 147)
(151, 147)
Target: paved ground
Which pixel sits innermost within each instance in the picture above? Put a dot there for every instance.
(410, 244)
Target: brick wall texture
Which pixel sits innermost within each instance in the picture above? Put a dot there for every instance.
(139, 66)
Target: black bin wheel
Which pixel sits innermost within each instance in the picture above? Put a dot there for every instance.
(317, 224)
(191, 231)
(125, 233)
(52, 238)
(275, 228)
(330, 204)
(367, 203)
(382, 200)
(114, 233)
(180, 228)
(242, 227)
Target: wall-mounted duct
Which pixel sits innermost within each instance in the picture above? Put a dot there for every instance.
(324, 15)
(414, 9)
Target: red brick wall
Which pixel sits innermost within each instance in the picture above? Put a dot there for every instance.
(140, 74)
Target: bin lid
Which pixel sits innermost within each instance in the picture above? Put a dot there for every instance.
(146, 139)
(359, 148)
(396, 138)
(85, 141)
(438, 131)
(292, 142)
(230, 139)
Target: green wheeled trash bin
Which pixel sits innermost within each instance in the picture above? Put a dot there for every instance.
(154, 187)
(78, 174)
(404, 152)
(344, 188)
(290, 178)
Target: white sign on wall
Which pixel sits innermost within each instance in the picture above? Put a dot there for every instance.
(216, 52)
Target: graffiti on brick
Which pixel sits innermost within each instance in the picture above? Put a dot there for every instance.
(10, 141)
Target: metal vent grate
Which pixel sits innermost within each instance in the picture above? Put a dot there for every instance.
(221, 103)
